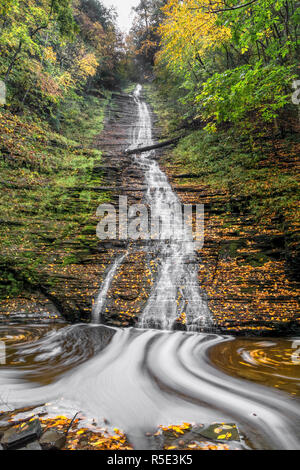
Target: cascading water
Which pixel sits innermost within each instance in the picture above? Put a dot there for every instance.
(176, 291)
(101, 298)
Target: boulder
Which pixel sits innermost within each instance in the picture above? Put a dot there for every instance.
(53, 440)
(32, 446)
(22, 434)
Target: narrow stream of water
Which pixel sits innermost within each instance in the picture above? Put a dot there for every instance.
(140, 378)
(101, 297)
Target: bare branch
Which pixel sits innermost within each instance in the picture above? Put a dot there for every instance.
(243, 5)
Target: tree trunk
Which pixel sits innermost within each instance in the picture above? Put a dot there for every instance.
(153, 147)
(12, 63)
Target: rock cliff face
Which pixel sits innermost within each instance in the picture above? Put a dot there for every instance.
(247, 270)
(68, 279)
(129, 290)
(71, 289)
(76, 285)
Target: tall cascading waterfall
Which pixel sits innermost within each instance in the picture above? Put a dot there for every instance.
(176, 291)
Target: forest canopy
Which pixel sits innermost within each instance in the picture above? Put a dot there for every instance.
(51, 48)
(232, 61)
(223, 61)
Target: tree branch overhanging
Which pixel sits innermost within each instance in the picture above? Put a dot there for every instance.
(229, 8)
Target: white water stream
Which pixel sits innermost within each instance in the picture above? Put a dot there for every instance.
(101, 298)
(176, 291)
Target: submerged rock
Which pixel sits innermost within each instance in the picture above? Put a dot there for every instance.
(216, 436)
(218, 432)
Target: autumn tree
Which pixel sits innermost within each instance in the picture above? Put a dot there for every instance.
(50, 48)
(22, 21)
(231, 60)
(144, 35)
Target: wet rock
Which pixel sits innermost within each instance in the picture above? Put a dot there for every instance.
(53, 440)
(118, 324)
(19, 435)
(178, 326)
(197, 436)
(128, 295)
(187, 175)
(154, 441)
(106, 169)
(32, 446)
(84, 443)
(218, 432)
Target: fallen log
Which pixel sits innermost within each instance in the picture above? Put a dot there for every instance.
(166, 143)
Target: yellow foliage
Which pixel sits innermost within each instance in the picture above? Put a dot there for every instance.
(50, 55)
(66, 81)
(87, 66)
(190, 29)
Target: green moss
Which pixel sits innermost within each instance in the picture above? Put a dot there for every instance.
(257, 259)
(226, 161)
(46, 196)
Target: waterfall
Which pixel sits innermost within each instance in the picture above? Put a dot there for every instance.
(101, 297)
(176, 293)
